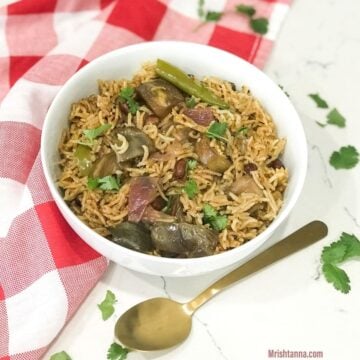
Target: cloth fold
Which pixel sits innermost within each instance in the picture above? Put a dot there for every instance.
(46, 270)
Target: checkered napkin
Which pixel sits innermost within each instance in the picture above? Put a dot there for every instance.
(46, 270)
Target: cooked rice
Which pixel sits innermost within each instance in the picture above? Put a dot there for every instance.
(248, 213)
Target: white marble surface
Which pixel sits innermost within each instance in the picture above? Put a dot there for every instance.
(288, 306)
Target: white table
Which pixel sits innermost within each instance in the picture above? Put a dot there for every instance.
(289, 306)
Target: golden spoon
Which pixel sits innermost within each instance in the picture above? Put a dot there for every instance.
(161, 323)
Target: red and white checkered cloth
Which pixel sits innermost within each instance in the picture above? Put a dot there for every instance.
(46, 270)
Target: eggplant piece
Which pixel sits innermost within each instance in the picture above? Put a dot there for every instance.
(245, 184)
(136, 139)
(184, 239)
(160, 96)
(134, 236)
(105, 166)
(210, 158)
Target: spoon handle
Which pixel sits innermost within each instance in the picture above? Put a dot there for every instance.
(296, 241)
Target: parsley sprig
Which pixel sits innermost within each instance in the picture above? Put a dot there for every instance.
(117, 352)
(105, 183)
(127, 95)
(213, 218)
(347, 247)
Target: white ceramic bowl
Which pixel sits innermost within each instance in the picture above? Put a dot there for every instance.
(199, 60)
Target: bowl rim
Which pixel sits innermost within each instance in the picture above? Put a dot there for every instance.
(254, 243)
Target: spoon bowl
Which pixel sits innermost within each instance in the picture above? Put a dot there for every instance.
(155, 324)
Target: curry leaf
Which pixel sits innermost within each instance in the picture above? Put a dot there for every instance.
(91, 134)
(259, 25)
(335, 118)
(107, 305)
(346, 158)
(117, 352)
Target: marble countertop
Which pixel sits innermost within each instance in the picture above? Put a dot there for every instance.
(289, 306)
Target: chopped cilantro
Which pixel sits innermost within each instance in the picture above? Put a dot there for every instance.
(217, 130)
(105, 183)
(347, 247)
(92, 134)
(211, 217)
(127, 95)
(107, 305)
(245, 9)
(191, 164)
(243, 130)
(335, 118)
(213, 16)
(190, 102)
(321, 103)
(337, 277)
(191, 188)
(60, 356)
(346, 158)
(117, 352)
(259, 25)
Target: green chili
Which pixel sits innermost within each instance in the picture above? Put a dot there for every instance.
(181, 80)
(83, 154)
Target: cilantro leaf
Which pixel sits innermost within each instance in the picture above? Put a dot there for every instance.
(346, 158)
(60, 356)
(260, 25)
(217, 130)
(190, 102)
(243, 130)
(335, 118)
(334, 254)
(91, 134)
(191, 188)
(321, 103)
(201, 11)
(117, 352)
(211, 217)
(245, 9)
(107, 305)
(352, 244)
(105, 183)
(191, 164)
(213, 16)
(127, 95)
(337, 277)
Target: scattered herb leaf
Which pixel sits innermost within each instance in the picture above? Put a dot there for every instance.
(259, 25)
(191, 164)
(212, 217)
(347, 247)
(201, 11)
(217, 130)
(243, 130)
(127, 95)
(191, 188)
(320, 124)
(320, 102)
(60, 356)
(105, 183)
(190, 102)
(107, 305)
(335, 118)
(117, 352)
(213, 16)
(337, 277)
(245, 9)
(92, 134)
(346, 158)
